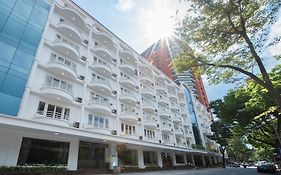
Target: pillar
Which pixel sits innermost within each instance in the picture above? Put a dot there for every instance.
(203, 160)
(210, 160)
(192, 159)
(174, 161)
(113, 155)
(73, 155)
(215, 160)
(140, 159)
(184, 159)
(159, 159)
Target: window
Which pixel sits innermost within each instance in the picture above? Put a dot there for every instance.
(52, 111)
(99, 122)
(128, 129)
(149, 134)
(40, 109)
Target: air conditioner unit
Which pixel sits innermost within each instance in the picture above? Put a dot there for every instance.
(114, 132)
(83, 58)
(114, 75)
(137, 87)
(114, 60)
(79, 99)
(158, 125)
(172, 130)
(140, 137)
(76, 124)
(81, 77)
(114, 92)
(139, 119)
(160, 141)
(114, 111)
(86, 41)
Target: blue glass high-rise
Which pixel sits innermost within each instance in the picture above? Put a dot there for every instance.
(21, 26)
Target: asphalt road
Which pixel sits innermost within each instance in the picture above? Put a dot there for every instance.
(205, 171)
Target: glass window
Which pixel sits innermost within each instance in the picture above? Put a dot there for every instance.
(41, 107)
(96, 122)
(22, 9)
(106, 123)
(30, 38)
(38, 19)
(50, 110)
(13, 29)
(13, 86)
(42, 7)
(9, 3)
(90, 119)
(23, 59)
(37, 151)
(10, 105)
(101, 122)
(4, 13)
(66, 112)
(7, 51)
(58, 112)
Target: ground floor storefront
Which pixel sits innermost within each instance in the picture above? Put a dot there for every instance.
(26, 146)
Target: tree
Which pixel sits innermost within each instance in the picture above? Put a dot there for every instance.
(221, 134)
(230, 37)
(250, 109)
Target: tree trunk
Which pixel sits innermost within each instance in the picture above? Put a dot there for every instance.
(222, 150)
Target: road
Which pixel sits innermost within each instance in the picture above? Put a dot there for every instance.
(205, 171)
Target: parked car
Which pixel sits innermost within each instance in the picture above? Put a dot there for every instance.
(267, 168)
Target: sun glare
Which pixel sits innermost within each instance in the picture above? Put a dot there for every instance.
(159, 24)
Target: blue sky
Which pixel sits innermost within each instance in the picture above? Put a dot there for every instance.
(134, 22)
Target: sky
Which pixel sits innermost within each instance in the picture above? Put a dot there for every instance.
(137, 23)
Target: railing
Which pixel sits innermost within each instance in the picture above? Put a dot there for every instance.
(54, 115)
(148, 102)
(100, 101)
(100, 80)
(150, 118)
(64, 62)
(127, 63)
(163, 109)
(148, 89)
(128, 78)
(60, 39)
(173, 104)
(62, 21)
(129, 112)
(99, 62)
(127, 93)
(51, 82)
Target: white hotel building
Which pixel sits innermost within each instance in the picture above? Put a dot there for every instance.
(90, 101)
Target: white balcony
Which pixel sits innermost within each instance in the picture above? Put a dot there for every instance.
(69, 30)
(127, 55)
(102, 68)
(147, 92)
(100, 107)
(101, 85)
(172, 97)
(128, 97)
(58, 90)
(150, 122)
(166, 128)
(128, 68)
(66, 47)
(186, 122)
(53, 118)
(104, 39)
(73, 16)
(176, 119)
(129, 116)
(146, 79)
(62, 67)
(160, 89)
(178, 132)
(164, 112)
(148, 105)
(128, 82)
(103, 54)
(174, 106)
(162, 100)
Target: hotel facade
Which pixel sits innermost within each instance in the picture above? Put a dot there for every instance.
(73, 94)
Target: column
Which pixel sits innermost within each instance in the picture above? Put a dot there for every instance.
(113, 156)
(159, 159)
(215, 160)
(203, 160)
(140, 159)
(185, 159)
(192, 159)
(73, 155)
(210, 160)
(174, 161)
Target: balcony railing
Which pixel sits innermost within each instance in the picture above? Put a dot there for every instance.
(55, 83)
(62, 21)
(65, 62)
(100, 80)
(63, 40)
(99, 62)
(54, 115)
(148, 102)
